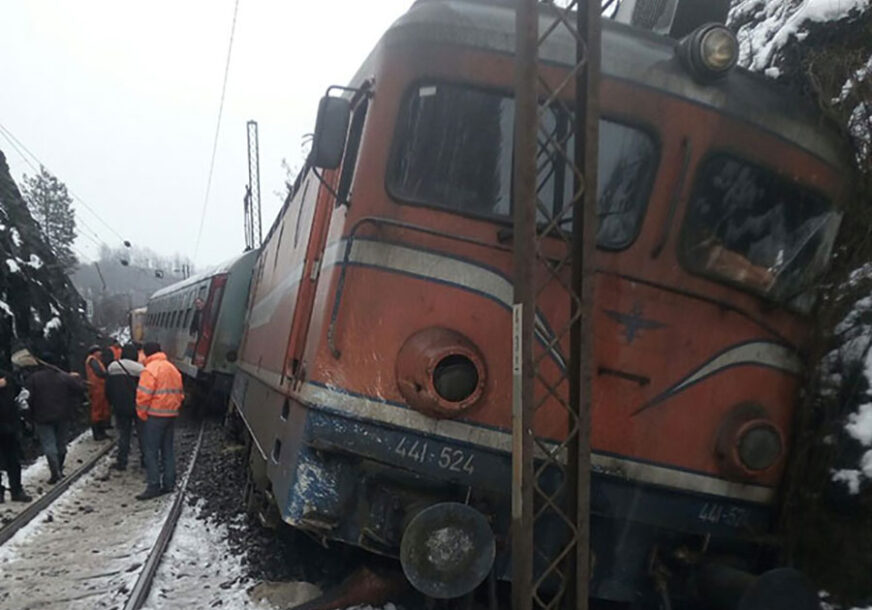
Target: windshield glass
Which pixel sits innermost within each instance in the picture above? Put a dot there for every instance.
(454, 150)
(747, 225)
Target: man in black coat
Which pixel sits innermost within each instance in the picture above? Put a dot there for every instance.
(10, 445)
(51, 394)
(121, 381)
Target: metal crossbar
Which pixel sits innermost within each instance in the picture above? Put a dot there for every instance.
(555, 150)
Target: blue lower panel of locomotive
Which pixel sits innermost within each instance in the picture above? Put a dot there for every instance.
(361, 482)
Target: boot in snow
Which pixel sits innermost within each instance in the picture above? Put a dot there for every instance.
(54, 467)
(20, 496)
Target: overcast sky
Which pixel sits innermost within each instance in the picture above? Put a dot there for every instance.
(120, 101)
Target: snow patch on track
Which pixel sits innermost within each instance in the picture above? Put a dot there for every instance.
(35, 477)
(199, 569)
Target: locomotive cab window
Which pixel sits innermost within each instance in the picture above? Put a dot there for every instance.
(454, 150)
(751, 227)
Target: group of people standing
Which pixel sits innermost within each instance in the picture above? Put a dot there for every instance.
(138, 385)
(143, 389)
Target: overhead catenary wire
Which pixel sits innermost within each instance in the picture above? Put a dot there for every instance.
(85, 230)
(18, 145)
(217, 131)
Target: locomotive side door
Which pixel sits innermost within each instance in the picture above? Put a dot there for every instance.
(328, 198)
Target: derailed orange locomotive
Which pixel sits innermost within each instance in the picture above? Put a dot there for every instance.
(375, 370)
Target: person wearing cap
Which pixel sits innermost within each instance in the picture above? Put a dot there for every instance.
(159, 397)
(96, 375)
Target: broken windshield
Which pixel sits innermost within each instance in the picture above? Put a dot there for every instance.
(747, 225)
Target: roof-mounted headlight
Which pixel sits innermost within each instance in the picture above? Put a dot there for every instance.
(709, 52)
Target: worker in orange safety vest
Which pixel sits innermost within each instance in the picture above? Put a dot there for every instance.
(96, 375)
(159, 397)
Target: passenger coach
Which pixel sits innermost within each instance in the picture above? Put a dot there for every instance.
(198, 323)
(375, 371)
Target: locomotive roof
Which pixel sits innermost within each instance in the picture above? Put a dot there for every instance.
(630, 54)
(219, 269)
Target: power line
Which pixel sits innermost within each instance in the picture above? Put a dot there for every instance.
(17, 150)
(83, 226)
(217, 130)
(80, 222)
(13, 140)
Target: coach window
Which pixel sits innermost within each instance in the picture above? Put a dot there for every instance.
(454, 150)
(355, 132)
(751, 227)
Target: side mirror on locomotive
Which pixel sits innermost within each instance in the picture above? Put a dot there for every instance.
(331, 129)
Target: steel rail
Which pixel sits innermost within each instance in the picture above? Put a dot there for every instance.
(146, 576)
(46, 500)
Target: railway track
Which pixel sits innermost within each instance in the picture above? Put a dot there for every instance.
(88, 543)
(146, 576)
(40, 504)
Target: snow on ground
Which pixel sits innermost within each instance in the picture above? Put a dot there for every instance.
(13, 265)
(34, 478)
(776, 21)
(199, 570)
(86, 550)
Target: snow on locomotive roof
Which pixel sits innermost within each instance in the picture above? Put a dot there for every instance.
(630, 54)
(195, 279)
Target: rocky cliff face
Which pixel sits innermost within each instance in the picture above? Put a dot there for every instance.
(39, 307)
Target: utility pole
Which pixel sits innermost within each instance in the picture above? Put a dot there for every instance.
(556, 127)
(253, 230)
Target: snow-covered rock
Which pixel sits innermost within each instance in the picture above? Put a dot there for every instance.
(33, 288)
(766, 26)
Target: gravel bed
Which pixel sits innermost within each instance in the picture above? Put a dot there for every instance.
(270, 559)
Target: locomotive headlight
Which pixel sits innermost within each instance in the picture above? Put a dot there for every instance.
(455, 378)
(748, 442)
(440, 372)
(710, 52)
(759, 446)
(719, 49)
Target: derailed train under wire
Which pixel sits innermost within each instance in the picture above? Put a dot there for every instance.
(374, 373)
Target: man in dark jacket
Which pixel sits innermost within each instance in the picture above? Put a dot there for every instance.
(10, 446)
(121, 381)
(51, 393)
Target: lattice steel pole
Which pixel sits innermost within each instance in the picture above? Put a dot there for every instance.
(556, 143)
(526, 125)
(254, 183)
